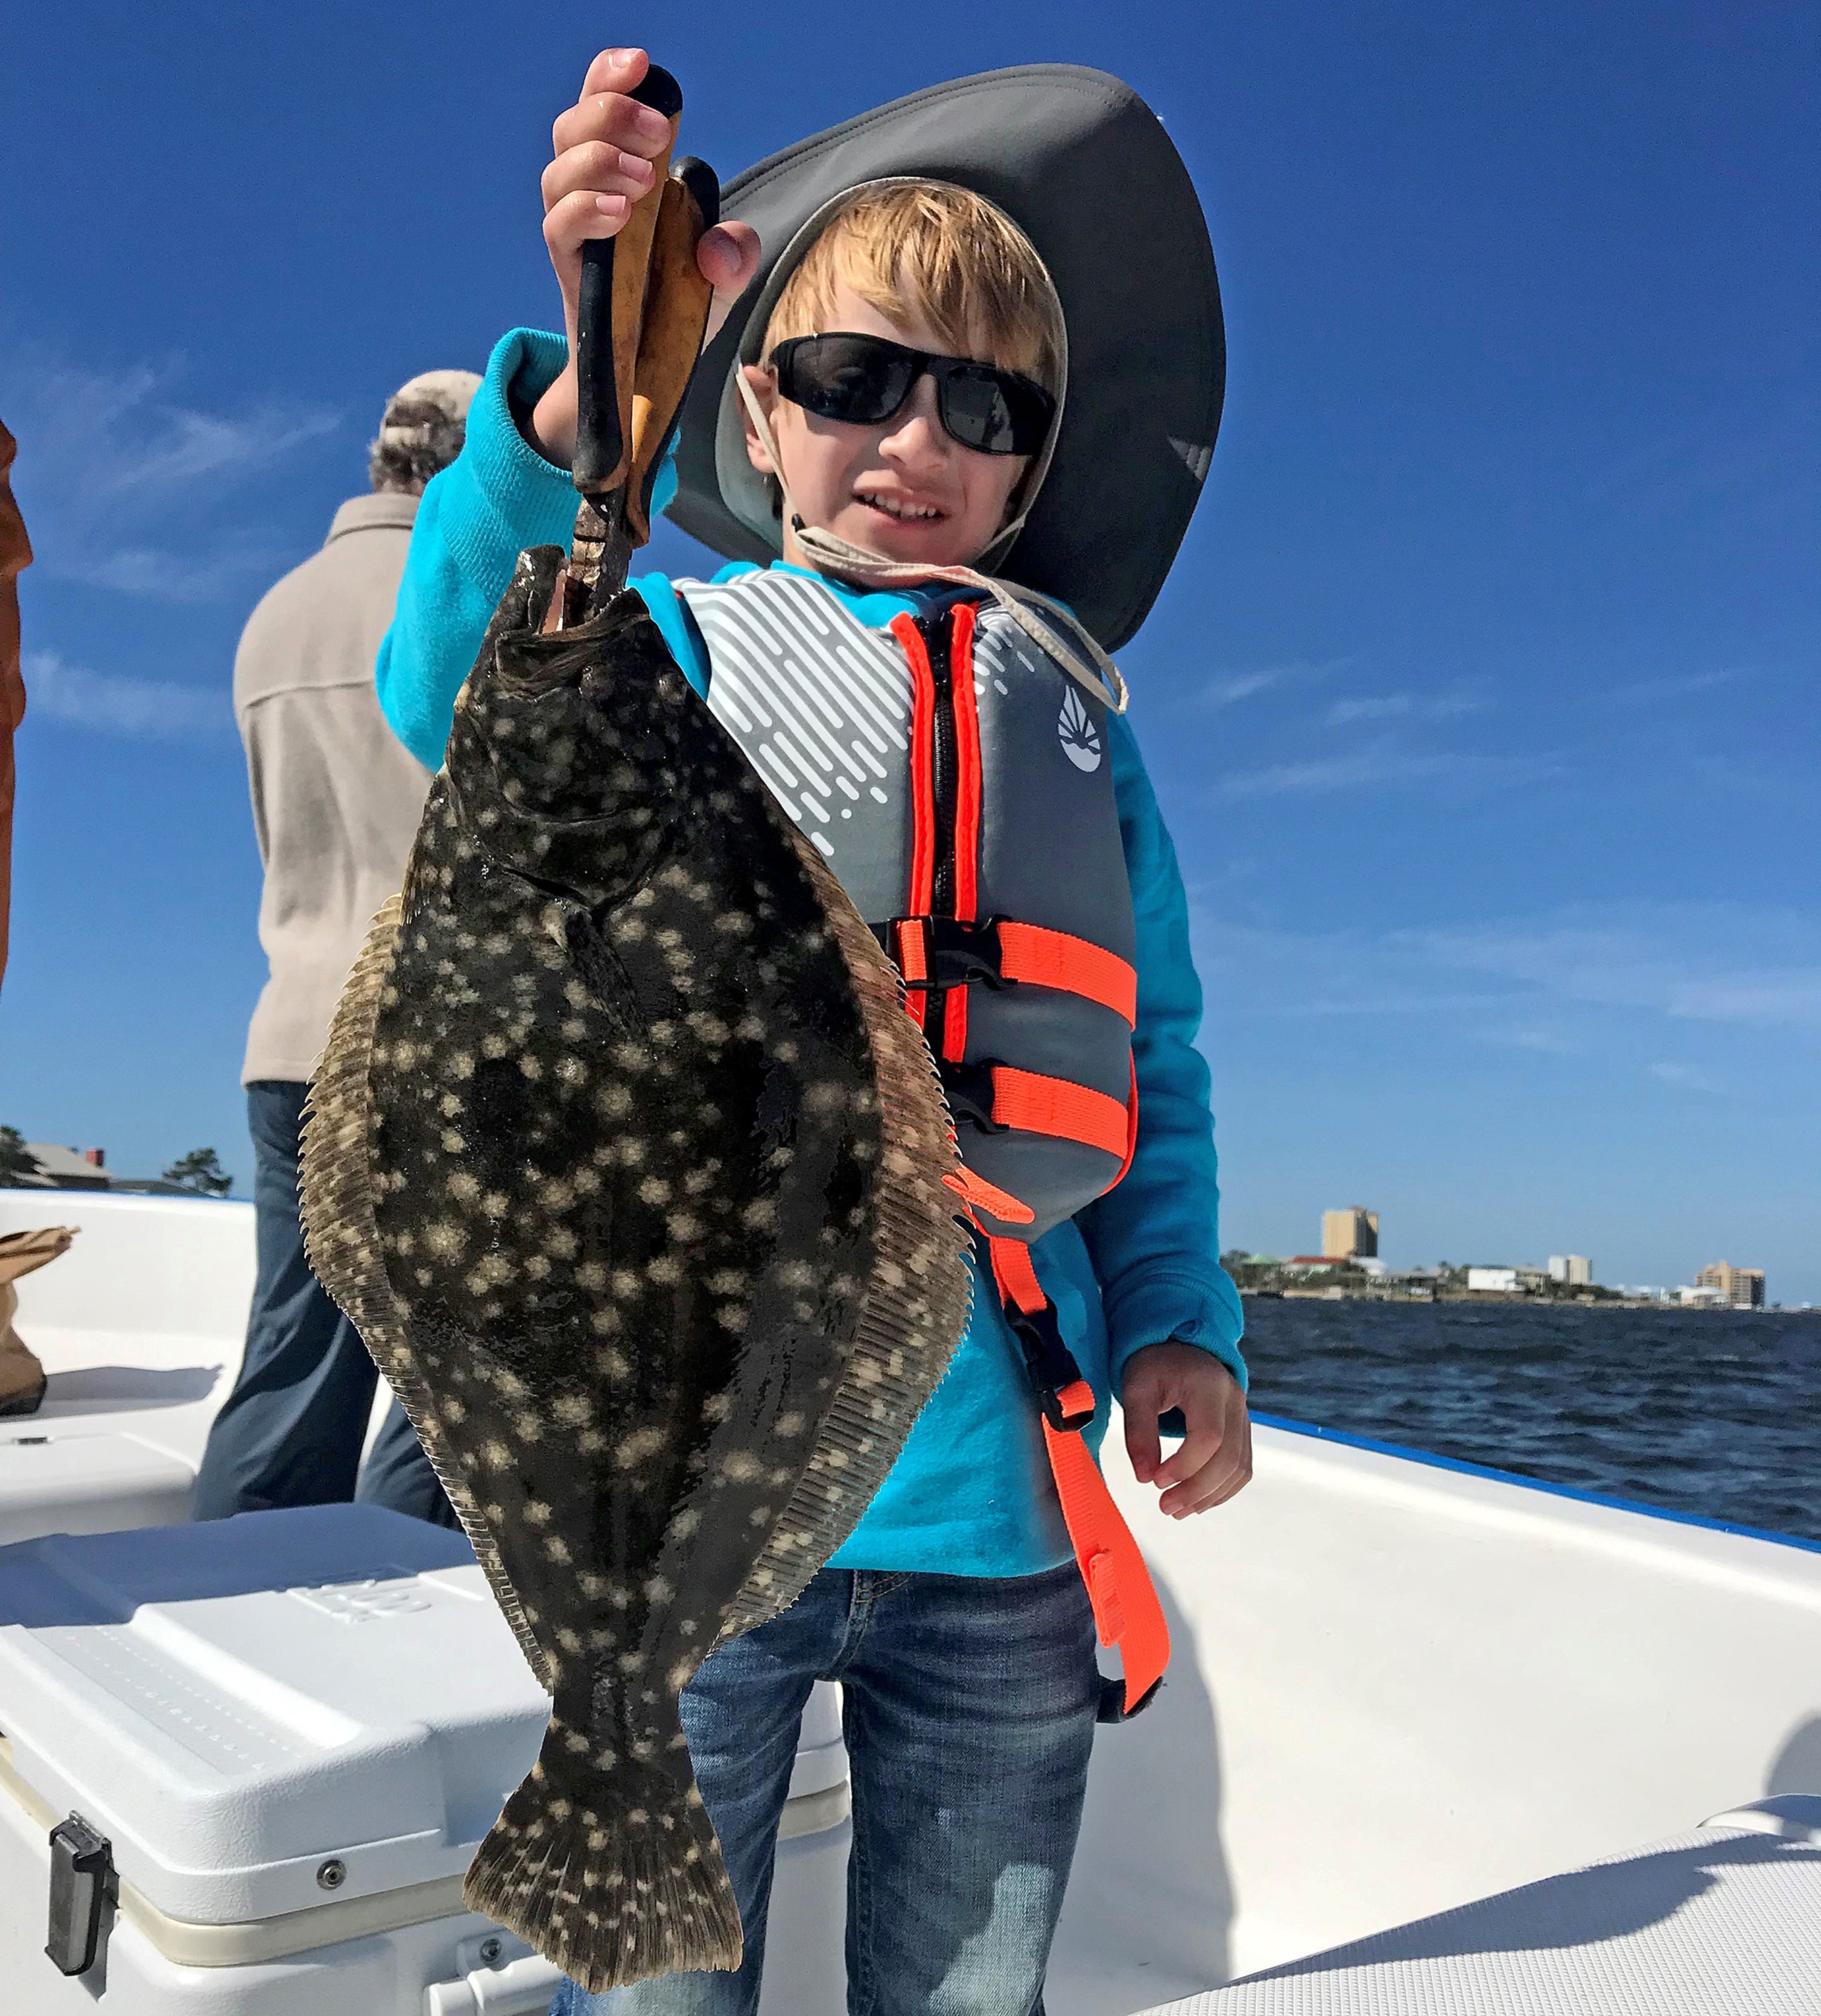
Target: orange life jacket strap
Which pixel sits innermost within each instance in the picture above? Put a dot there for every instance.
(956, 952)
(1016, 1275)
(976, 1192)
(1127, 1612)
(1034, 1104)
(1070, 965)
(910, 949)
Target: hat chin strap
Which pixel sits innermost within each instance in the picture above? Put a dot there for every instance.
(828, 551)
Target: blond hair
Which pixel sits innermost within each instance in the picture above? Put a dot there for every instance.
(974, 275)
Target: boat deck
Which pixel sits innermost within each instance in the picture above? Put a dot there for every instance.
(1398, 1687)
(1723, 1921)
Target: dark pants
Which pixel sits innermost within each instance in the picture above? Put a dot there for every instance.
(290, 1432)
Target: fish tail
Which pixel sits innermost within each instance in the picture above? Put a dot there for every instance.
(614, 1875)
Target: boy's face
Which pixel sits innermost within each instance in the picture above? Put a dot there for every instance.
(903, 488)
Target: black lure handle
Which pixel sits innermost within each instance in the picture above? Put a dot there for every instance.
(600, 442)
(599, 446)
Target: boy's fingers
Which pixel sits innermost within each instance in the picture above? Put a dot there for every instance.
(622, 121)
(1198, 1448)
(729, 256)
(1200, 1495)
(616, 69)
(1143, 1396)
(598, 166)
(1227, 1475)
(569, 224)
(1143, 1444)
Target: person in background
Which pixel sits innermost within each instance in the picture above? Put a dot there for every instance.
(15, 556)
(336, 798)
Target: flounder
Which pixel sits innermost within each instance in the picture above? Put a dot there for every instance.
(629, 1164)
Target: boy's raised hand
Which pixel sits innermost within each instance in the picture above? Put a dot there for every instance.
(1215, 1459)
(603, 147)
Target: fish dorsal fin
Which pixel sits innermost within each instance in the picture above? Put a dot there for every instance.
(341, 1238)
(914, 1303)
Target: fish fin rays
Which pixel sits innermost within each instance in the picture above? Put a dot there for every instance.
(614, 1877)
(914, 1304)
(341, 1240)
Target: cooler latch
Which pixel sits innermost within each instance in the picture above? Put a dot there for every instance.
(85, 1889)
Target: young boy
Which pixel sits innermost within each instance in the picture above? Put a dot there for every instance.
(903, 394)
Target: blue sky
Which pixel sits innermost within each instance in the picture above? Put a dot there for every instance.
(1481, 700)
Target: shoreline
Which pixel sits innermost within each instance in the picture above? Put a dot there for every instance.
(1516, 1299)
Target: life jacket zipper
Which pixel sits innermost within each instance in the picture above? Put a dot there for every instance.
(938, 633)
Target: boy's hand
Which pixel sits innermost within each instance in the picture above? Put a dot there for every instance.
(604, 146)
(1215, 1459)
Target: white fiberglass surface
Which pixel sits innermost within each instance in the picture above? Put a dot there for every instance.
(1718, 1921)
(150, 1267)
(1397, 1688)
(140, 1327)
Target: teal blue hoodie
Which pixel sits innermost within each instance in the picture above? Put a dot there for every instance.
(971, 1493)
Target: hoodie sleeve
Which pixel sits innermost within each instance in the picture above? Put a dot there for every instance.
(497, 497)
(1154, 1239)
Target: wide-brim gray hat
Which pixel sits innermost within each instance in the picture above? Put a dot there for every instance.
(1083, 166)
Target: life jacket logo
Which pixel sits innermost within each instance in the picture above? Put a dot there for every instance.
(1079, 737)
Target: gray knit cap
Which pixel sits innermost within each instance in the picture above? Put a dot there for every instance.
(422, 430)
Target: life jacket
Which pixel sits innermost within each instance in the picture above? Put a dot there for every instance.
(957, 782)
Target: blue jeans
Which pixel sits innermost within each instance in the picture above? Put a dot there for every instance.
(969, 1714)
(290, 1432)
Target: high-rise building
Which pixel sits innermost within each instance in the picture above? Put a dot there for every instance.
(1351, 1234)
(1742, 1286)
(1573, 1270)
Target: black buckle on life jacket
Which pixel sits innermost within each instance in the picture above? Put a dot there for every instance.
(958, 952)
(969, 1090)
(1049, 1364)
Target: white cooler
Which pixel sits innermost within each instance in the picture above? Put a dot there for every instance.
(245, 1765)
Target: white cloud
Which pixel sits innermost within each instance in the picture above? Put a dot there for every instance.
(163, 575)
(1708, 452)
(1643, 692)
(114, 469)
(1449, 704)
(1744, 966)
(90, 435)
(1240, 685)
(1382, 1000)
(1385, 762)
(113, 703)
(1370, 707)
(1793, 996)
(1545, 1042)
(1686, 1078)
(1708, 962)
(182, 446)
(1230, 688)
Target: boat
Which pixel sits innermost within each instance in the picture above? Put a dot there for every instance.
(1434, 1738)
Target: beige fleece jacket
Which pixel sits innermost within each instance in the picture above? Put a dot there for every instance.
(335, 796)
(15, 554)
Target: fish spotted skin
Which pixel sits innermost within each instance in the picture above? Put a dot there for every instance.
(636, 1177)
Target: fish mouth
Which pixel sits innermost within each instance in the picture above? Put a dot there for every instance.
(530, 665)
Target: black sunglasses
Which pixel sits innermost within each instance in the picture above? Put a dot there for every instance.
(864, 380)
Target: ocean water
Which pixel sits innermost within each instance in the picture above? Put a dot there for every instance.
(1694, 1411)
